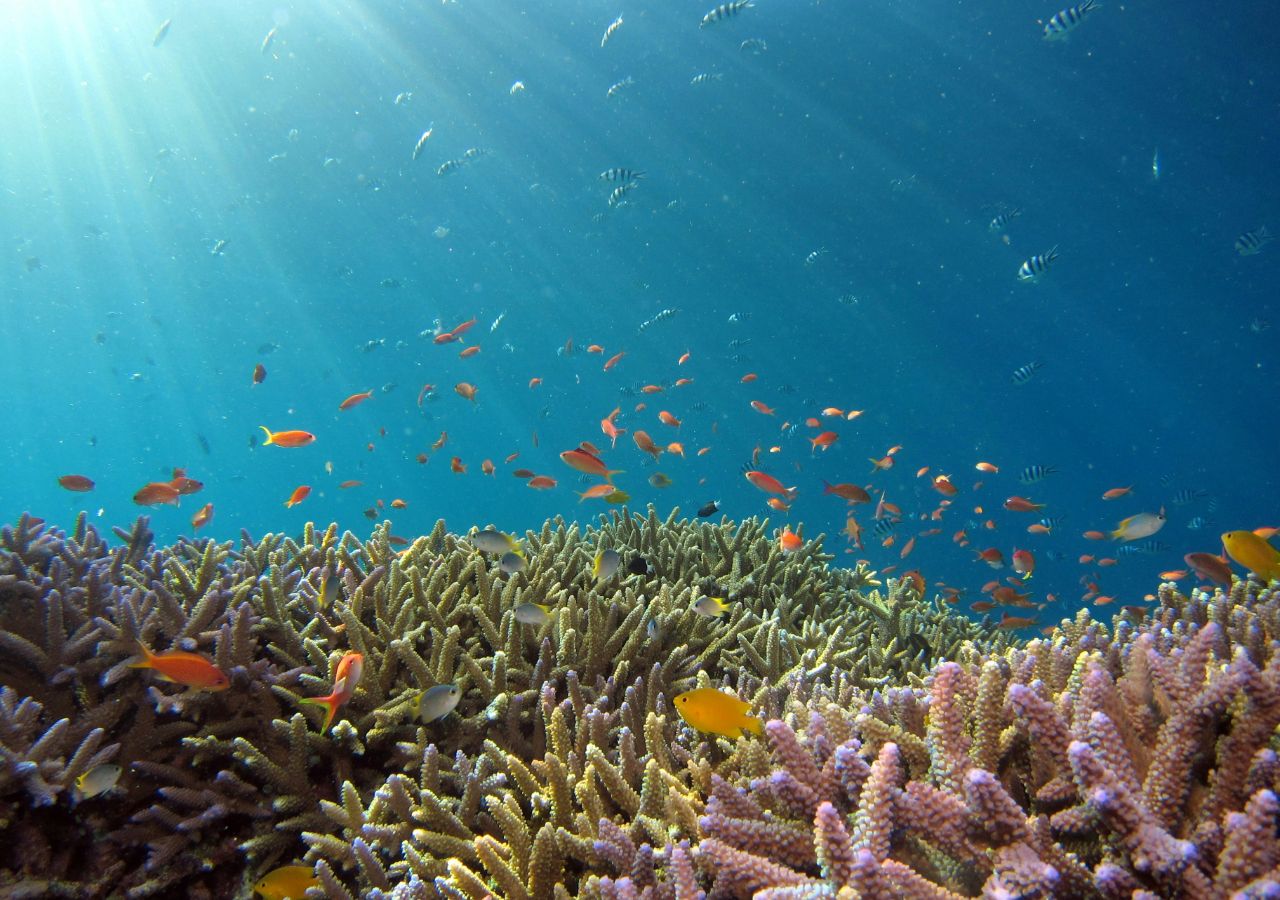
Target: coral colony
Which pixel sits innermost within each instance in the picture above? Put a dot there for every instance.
(905, 751)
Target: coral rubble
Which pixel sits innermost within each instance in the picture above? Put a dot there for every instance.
(908, 751)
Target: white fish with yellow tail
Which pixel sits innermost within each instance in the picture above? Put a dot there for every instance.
(1135, 528)
(710, 607)
(97, 781)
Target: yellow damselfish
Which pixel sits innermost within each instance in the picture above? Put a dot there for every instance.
(287, 882)
(716, 712)
(1253, 553)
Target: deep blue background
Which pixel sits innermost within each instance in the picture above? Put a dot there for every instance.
(888, 134)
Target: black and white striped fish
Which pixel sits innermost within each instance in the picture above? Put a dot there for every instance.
(422, 142)
(1023, 374)
(1198, 522)
(1035, 474)
(1001, 222)
(704, 77)
(883, 527)
(620, 174)
(1144, 548)
(753, 45)
(1065, 21)
(619, 194)
(1252, 242)
(608, 32)
(1051, 522)
(618, 86)
(1031, 270)
(1188, 495)
(725, 10)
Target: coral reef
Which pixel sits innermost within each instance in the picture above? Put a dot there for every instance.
(909, 751)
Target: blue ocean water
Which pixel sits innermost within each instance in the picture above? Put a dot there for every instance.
(816, 213)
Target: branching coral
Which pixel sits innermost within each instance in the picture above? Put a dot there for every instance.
(910, 750)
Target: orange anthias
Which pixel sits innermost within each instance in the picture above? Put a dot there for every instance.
(286, 438)
(193, 670)
(299, 494)
(465, 390)
(345, 678)
(355, 400)
(823, 440)
(585, 461)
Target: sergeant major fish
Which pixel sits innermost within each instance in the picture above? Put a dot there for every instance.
(1252, 242)
(611, 30)
(1064, 21)
(1031, 269)
(725, 10)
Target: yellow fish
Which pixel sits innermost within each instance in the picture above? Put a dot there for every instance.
(287, 882)
(1253, 553)
(716, 712)
(711, 607)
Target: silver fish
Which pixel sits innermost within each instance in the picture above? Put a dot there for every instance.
(511, 563)
(422, 142)
(605, 565)
(493, 541)
(532, 614)
(437, 702)
(609, 32)
(98, 780)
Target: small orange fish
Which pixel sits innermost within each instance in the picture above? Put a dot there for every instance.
(1103, 601)
(440, 441)
(789, 541)
(652, 389)
(748, 378)
(770, 485)
(1108, 561)
(464, 327)
(203, 517)
(1173, 575)
(812, 422)
(534, 382)
(355, 400)
(193, 670)
(299, 494)
(259, 373)
(523, 473)
(1116, 493)
(157, 493)
(907, 548)
(1037, 528)
(446, 337)
(777, 503)
(1085, 559)
(823, 441)
(646, 443)
(457, 465)
(681, 382)
(675, 448)
(397, 503)
(833, 411)
(922, 471)
(614, 360)
(1022, 504)
(347, 485)
(878, 465)
(597, 491)
(1013, 623)
(588, 463)
(345, 678)
(1094, 536)
(684, 358)
(486, 466)
(761, 408)
(78, 483)
(465, 390)
(595, 348)
(609, 428)
(847, 491)
(541, 482)
(511, 457)
(853, 414)
(667, 419)
(286, 438)
(469, 352)
(987, 467)
(422, 394)
(942, 484)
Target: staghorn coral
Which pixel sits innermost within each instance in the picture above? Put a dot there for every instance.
(911, 751)
(1090, 765)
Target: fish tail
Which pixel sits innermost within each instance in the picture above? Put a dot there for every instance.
(267, 432)
(148, 658)
(330, 702)
(609, 473)
(754, 724)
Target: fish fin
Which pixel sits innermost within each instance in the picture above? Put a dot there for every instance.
(753, 724)
(267, 432)
(148, 658)
(330, 703)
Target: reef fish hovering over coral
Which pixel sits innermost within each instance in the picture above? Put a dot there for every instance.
(437, 702)
(1254, 553)
(194, 670)
(286, 882)
(716, 712)
(345, 678)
